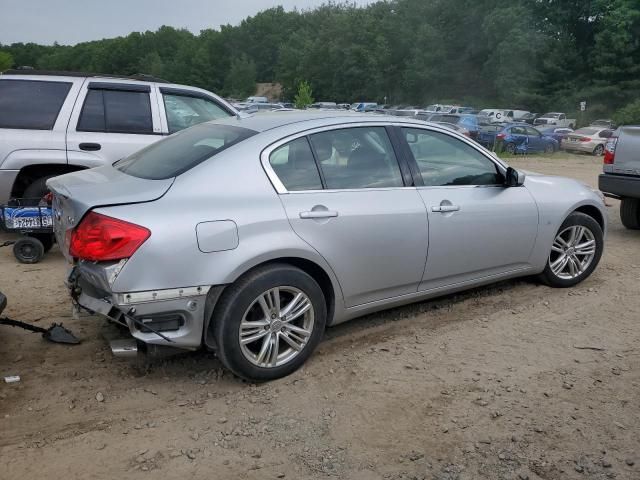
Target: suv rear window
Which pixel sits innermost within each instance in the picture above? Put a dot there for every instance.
(31, 104)
(182, 151)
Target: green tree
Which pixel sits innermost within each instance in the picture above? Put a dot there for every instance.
(304, 97)
(628, 115)
(241, 79)
(6, 61)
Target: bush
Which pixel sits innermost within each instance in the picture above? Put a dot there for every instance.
(629, 114)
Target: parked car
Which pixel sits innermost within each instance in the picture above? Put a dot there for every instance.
(257, 100)
(55, 124)
(488, 116)
(455, 127)
(468, 122)
(555, 118)
(523, 138)
(528, 118)
(263, 107)
(610, 124)
(621, 173)
(364, 107)
(232, 233)
(588, 140)
(329, 105)
(560, 134)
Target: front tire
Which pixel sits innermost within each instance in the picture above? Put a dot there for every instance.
(549, 149)
(575, 253)
(269, 322)
(630, 213)
(599, 150)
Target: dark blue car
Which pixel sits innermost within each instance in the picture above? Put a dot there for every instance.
(523, 138)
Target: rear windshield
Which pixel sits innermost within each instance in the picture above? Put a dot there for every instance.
(182, 151)
(31, 104)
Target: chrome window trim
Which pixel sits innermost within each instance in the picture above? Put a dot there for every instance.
(281, 189)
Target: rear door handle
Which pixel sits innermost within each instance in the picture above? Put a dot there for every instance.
(90, 147)
(319, 214)
(445, 208)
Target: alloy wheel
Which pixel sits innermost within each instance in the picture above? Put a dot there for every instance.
(276, 327)
(573, 250)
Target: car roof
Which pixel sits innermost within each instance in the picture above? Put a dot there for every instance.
(271, 120)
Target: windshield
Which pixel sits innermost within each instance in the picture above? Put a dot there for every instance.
(182, 151)
(552, 115)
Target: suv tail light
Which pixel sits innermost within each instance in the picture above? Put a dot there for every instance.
(610, 150)
(100, 238)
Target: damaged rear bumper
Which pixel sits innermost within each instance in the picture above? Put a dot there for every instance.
(169, 317)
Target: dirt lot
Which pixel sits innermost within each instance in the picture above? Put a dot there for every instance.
(513, 381)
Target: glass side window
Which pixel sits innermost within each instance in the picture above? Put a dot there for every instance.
(116, 111)
(447, 161)
(359, 157)
(295, 166)
(532, 132)
(184, 111)
(31, 104)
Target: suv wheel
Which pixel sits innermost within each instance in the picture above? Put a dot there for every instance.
(575, 252)
(630, 213)
(269, 322)
(36, 190)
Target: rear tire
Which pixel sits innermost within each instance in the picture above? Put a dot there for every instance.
(36, 190)
(247, 310)
(590, 241)
(630, 213)
(510, 148)
(599, 150)
(549, 149)
(28, 250)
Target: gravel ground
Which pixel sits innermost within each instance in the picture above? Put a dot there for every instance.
(513, 381)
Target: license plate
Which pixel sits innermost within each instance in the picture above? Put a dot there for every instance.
(25, 217)
(573, 139)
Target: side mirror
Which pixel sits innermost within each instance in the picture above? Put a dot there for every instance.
(514, 178)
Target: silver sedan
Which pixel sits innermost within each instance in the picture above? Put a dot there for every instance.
(249, 236)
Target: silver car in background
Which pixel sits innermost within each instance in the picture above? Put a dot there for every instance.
(250, 235)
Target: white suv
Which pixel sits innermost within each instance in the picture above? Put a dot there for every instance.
(51, 124)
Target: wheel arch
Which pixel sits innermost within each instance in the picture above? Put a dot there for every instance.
(330, 289)
(31, 173)
(594, 212)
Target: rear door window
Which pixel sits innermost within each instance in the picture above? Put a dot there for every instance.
(360, 157)
(178, 153)
(31, 104)
(116, 111)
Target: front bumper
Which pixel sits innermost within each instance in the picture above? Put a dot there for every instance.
(620, 185)
(178, 314)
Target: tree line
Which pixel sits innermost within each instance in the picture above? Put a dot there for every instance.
(531, 54)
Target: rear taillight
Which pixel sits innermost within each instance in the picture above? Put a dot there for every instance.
(100, 238)
(610, 150)
(585, 139)
(501, 136)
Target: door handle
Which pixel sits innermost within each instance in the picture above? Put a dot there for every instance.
(90, 147)
(445, 208)
(318, 214)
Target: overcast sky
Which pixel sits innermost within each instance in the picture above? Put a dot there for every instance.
(73, 21)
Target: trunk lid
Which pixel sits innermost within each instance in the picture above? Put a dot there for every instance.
(74, 194)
